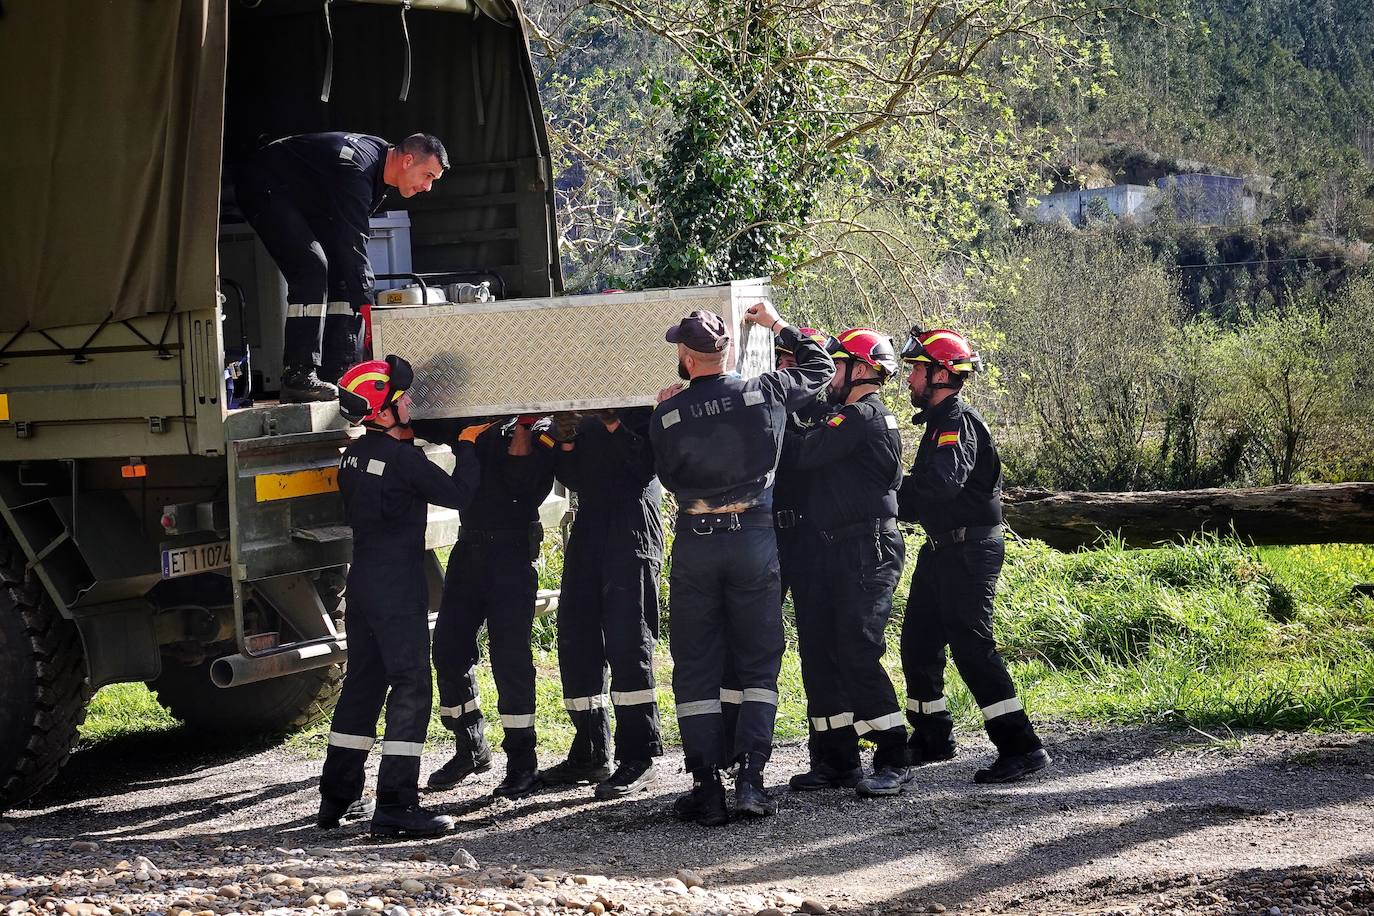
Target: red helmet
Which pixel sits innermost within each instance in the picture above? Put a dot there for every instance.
(949, 349)
(368, 387)
(819, 337)
(866, 346)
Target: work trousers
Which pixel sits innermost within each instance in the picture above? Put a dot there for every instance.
(490, 580)
(843, 605)
(323, 327)
(388, 663)
(608, 620)
(951, 605)
(726, 611)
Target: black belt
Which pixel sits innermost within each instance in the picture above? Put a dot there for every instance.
(709, 523)
(787, 518)
(960, 535)
(497, 535)
(857, 529)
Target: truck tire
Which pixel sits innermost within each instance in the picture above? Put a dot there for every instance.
(43, 685)
(265, 708)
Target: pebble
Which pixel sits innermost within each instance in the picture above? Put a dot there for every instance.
(935, 908)
(273, 879)
(463, 859)
(589, 880)
(1275, 911)
(690, 878)
(674, 886)
(596, 908)
(85, 846)
(375, 904)
(17, 907)
(6, 827)
(230, 892)
(314, 900)
(397, 911)
(770, 911)
(814, 907)
(411, 886)
(120, 909)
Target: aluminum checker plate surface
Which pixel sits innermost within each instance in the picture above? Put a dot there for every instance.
(561, 353)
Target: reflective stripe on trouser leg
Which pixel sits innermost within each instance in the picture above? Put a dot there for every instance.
(340, 340)
(754, 615)
(923, 643)
(511, 586)
(697, 644)
(303, 335)
(629, 619)
(582, 662)
(404, 643)
(967, 590)
(456, 648)
(354, 725)
(831, 739)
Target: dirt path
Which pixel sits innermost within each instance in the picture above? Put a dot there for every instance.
(1128, 821)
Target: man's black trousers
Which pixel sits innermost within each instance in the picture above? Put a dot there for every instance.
(490, 579)
(388, 662)
(842, 605)
(608, 616)
(725, 604)
(951, 604)
(322, 326)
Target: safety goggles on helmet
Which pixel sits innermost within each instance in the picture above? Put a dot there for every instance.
(867, 346)
(945, 348)
(370, 387)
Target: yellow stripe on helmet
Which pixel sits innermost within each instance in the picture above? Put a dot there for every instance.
(366, 377)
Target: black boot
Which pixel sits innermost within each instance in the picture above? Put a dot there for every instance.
(886, 780)
(825, 775)
(751, 797)
(630, 777)
(472, 755)
(301, 385)
(409, 821)
(572, 772)
(333, 812)
(519, 783)
(705, 804)
(1011, 767)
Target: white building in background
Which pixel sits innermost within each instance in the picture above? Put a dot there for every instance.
(1202, 200)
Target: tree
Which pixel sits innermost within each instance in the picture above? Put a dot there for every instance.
(797, 120)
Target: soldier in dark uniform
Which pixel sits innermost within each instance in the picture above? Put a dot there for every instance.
(491, 579)
(853, 554)
(387, 485)
(310, 199)
(608, 602)
(955, 491)
(716, 444)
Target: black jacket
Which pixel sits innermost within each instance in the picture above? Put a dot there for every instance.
(853, 464)
(335, 180)
(387, 486)
(617, 499)
(716, 442)
(956, 479)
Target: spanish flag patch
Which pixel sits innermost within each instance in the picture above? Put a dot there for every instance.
(949, 438)
(835, 420)
(546, 440)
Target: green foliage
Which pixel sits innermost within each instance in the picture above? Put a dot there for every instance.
(1208, 633)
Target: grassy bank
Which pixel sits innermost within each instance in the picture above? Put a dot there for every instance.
(1210, 634)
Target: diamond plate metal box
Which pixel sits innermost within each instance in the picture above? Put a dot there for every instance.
(560, 353)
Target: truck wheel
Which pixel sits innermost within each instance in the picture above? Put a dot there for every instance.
(43, 686)
(270, 708)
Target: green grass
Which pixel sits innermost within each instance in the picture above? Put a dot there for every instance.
(1210, 634)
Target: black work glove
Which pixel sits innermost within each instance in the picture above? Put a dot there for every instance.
(565, 425)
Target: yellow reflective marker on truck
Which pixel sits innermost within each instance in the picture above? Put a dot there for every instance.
(296, 483)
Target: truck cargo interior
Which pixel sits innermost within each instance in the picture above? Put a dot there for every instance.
(466, 77)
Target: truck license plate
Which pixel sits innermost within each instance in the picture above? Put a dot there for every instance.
(198, 558)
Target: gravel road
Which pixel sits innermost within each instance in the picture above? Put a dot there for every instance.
(1127, 821)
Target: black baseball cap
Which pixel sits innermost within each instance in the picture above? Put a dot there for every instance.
(701, 331)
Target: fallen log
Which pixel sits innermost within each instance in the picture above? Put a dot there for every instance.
(1295, 514)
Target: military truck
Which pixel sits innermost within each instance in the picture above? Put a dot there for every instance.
(155, 527)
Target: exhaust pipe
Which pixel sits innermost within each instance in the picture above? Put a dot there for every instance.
(237, 670)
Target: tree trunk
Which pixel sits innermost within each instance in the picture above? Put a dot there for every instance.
(1311, 514)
